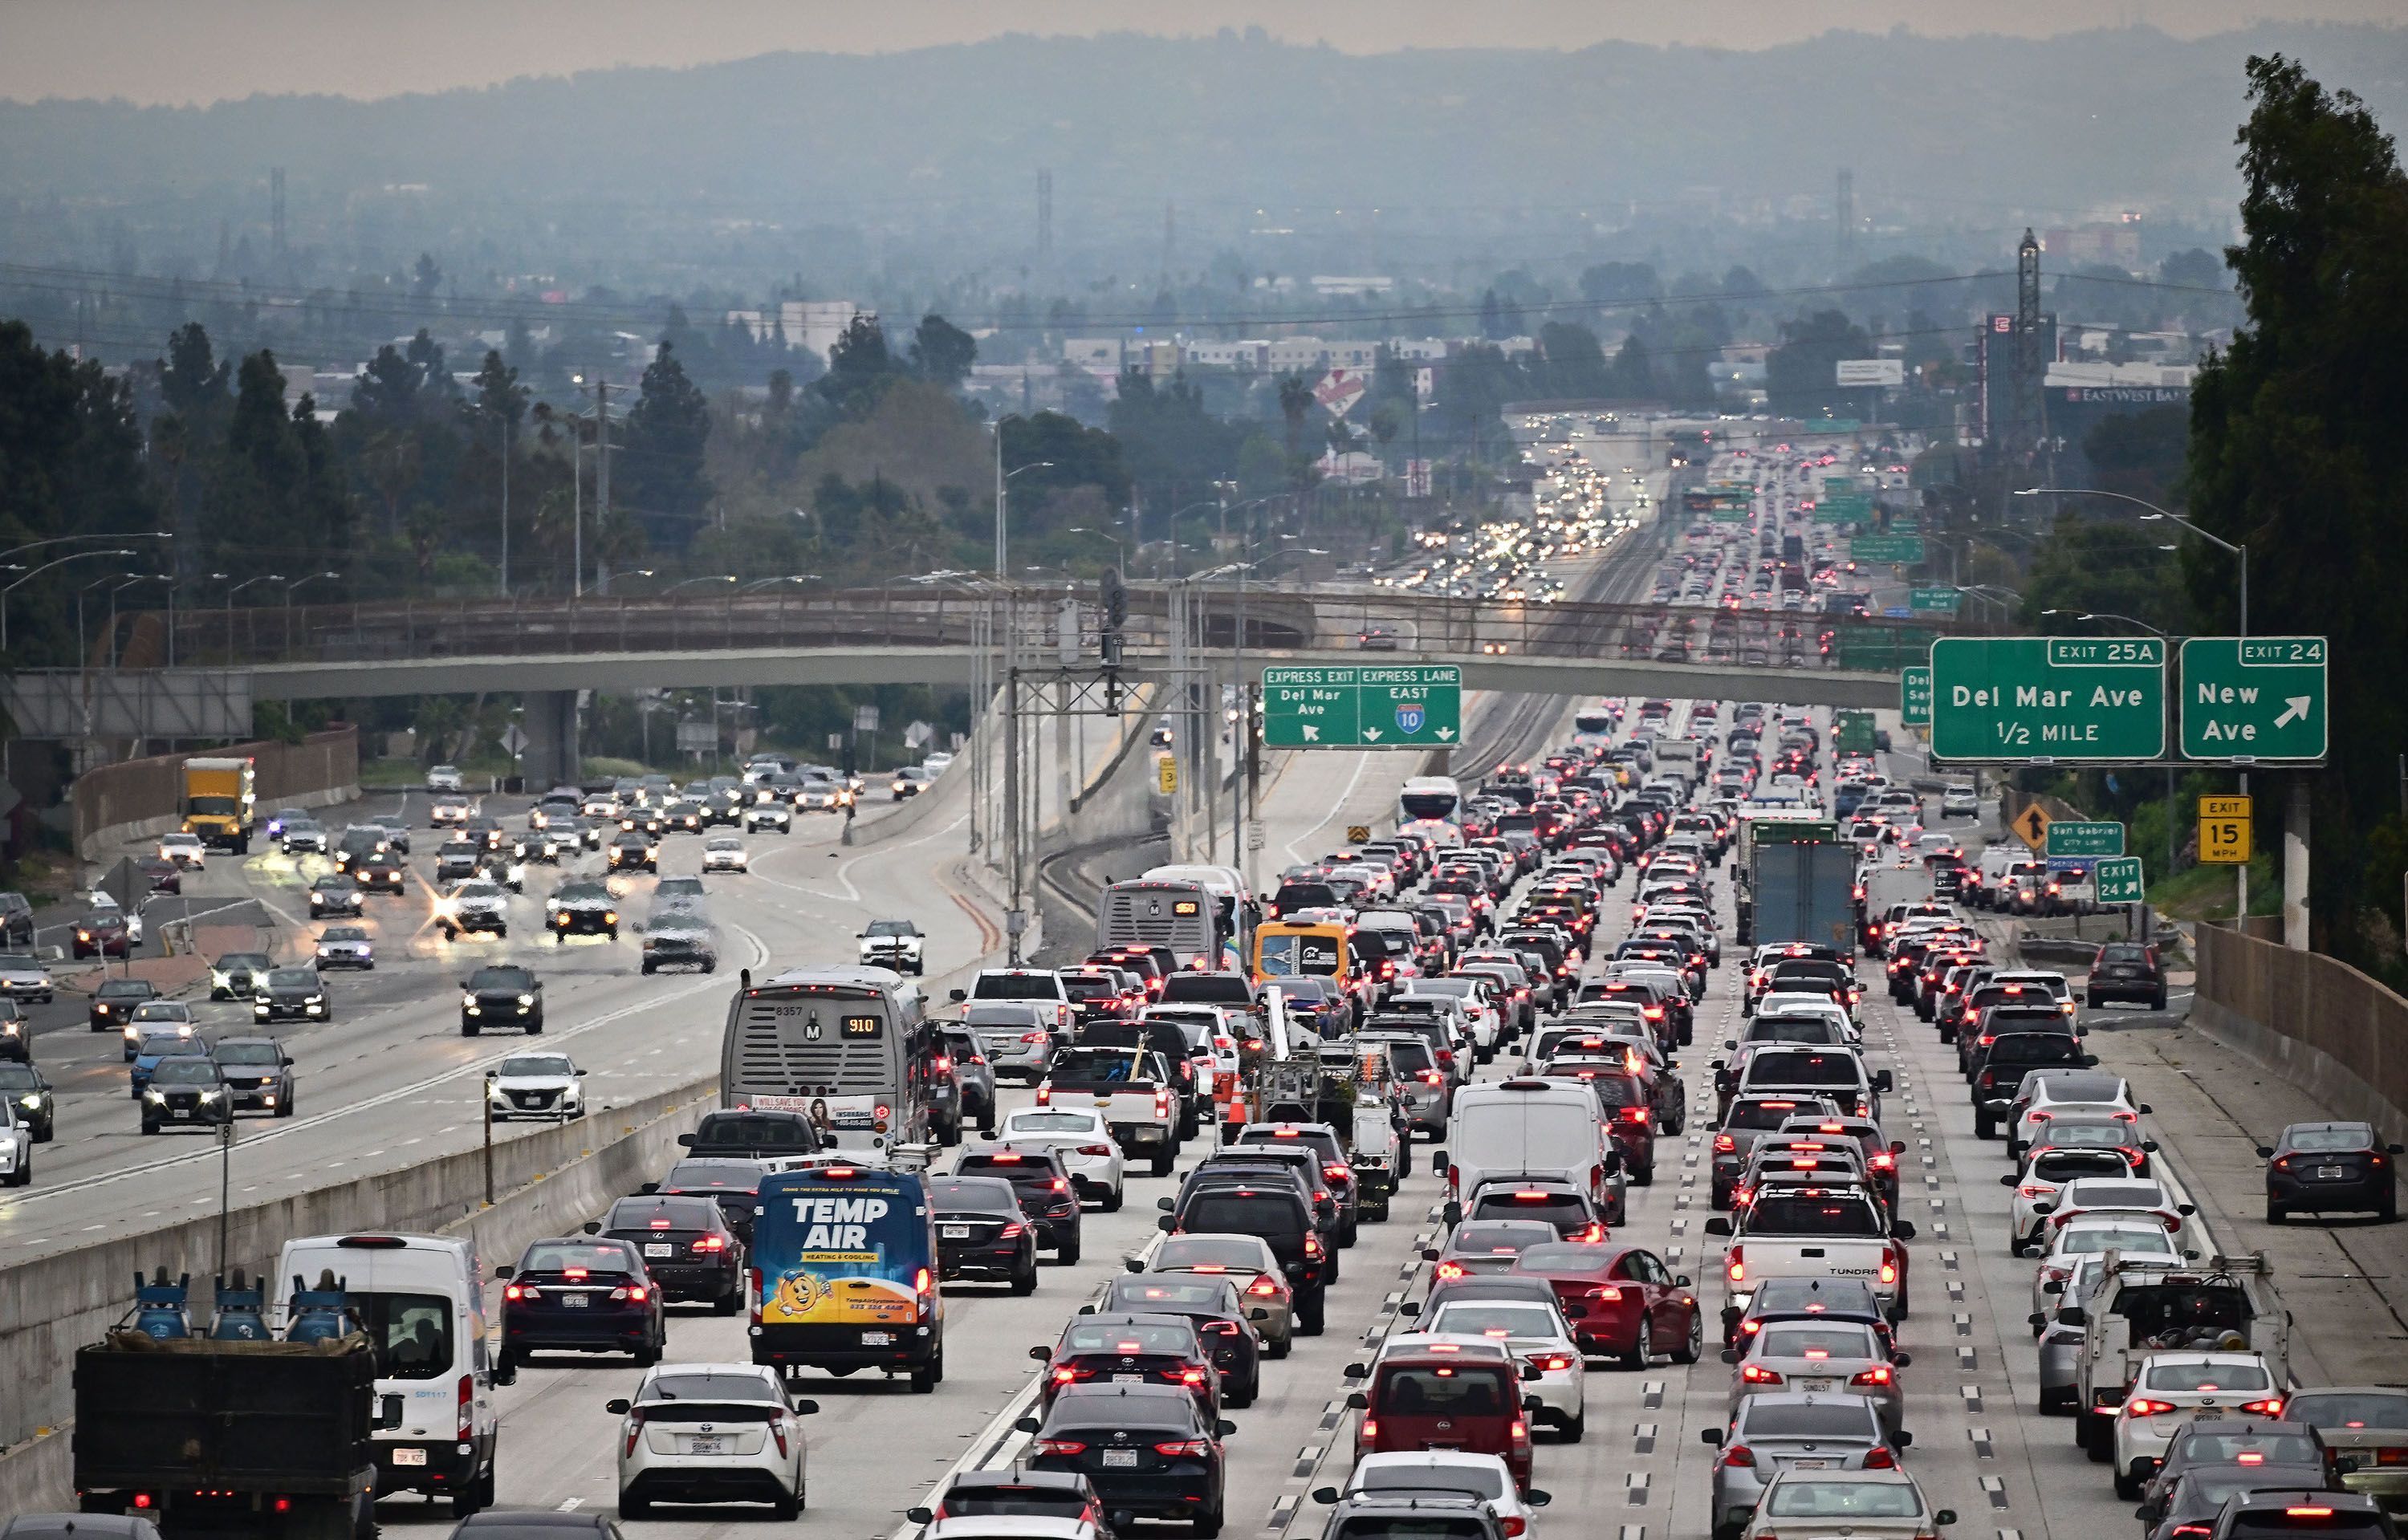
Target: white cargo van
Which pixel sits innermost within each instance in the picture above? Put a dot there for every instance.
(1527, 1126)
(420, 1299)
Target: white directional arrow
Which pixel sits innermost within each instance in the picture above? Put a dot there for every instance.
(1445, 733)
(1312, 734)
(2295, 708)
(1371, 734)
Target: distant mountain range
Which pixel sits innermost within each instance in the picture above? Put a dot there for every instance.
(1241, 132)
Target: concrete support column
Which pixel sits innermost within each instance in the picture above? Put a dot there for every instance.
(2295, 863)
(551, 723)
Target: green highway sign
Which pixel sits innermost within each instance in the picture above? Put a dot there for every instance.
(2248, 699)
(1724, 513)
(1886, 548)
(1851, 733)
(1944, 600)
(1838, 484)
(1406, 705)
(1843, 510)
(1914, 696)
(2119, 879)
(2077, 837)
(2048, 699)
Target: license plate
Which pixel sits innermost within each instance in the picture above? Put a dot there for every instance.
(1128, 1379)
(659, 1248)
(1123, 1460)
(2330, 1173)
(953, 1233)
(186, 1112)
(574, 1302)
(706, 1445)
(878, 1339)
(1809, 1464)
(1816, 1384)
(409, 1456)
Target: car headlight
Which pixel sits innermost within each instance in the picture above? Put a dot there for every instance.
(129, 1032)
(611, 916)
(527, 999)
(33, 1100)
(155, 1096)
(209, 1096)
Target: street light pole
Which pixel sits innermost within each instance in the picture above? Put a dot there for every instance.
(1002, 539)
(59, 561)
(262, 577)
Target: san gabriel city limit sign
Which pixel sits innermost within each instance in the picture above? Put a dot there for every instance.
(2021, 700)
(1406, 705)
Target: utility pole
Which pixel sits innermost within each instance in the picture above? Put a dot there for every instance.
(601, 475)
(505, 505)
(1002, 574)
(2028, 362)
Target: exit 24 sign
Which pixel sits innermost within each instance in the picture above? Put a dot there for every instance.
(2248, 699)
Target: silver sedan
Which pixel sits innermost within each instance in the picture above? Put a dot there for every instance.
(1845, 1358)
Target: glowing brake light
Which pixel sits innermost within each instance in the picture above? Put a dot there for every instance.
(2144, 1407)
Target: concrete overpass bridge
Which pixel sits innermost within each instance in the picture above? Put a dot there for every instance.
(549, 649)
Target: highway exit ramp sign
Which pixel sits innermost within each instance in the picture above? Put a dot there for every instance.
(2246, 700)
(2046, 699)
(1411, 705)
(2119, 879)
(1914, 695)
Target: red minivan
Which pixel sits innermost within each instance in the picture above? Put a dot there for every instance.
(1445, 1395)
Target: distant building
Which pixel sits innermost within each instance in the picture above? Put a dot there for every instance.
(1332, 286)
(814, 325)
(2102, 245)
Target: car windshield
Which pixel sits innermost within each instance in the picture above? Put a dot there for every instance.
(1777, 1419)
(1843, 1499)
(1811, 1213)
(1127, 1337)
(2345, 1409)
(1483, 1480)
(501, 978)
(2089, 1136)
(344, 933)
(2350, 1136)
(1160, 1293)
(1207, 1251)
(161, 1010)
(711, 1387)
(1495, 1318)
(538, 1063)
(573, 1256)
(1019, 986)
(184, 1072)
(1040, 1120)
(2089, 1240)
(126, 988)
(583, 893)
(248, 1053)
(1764, 1116)
(2207, 1377)
(1815, 1341)
(1499, 1240)
(1447, 1391)
(1413, 1525)
(293, 979)
(2201, 1449)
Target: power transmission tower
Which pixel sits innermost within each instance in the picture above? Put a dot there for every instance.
(1844, 209)
(1044, 215)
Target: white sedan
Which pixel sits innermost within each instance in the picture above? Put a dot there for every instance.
(2092, 1235)
(2078, 1095)
(1482, 1477)
(724, 853)
(2127, 1197)
(713, 1433)
(1538, 1335)
(183, 850)
(2173, 1389)
(536, 1085)
(1081, 1138)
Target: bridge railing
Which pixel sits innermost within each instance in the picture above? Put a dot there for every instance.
(1277, 619)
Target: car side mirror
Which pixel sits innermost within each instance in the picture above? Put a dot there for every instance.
(2190, 1254)
(2265, 1152)
(1728, 1043)
(1882, 1081)
(619, 1407)
(1165, 1224)
(648, 1189)
(592, 1227)
(491, 1073)
(1086, 1310)
(1718, 1226)
(2036, 1320)
(502, 1274)
(2395, 1149)
(1164, 1204)
(2147, 1108)
(2054, 1286)
(686, 1140)
(1718, 1064)
(1904, 1361)
(2044, 1206)
(1438, 1162)
(1898, 1146)
(1326, 1496)
(1538, 1499)
(1223, 1428)
(1040, 1354)
(957, 996)
(1903, 1228)
(1429, 1253)
(2007, 1180)
(1730, 1355)
(1026, 1425)
(1944, 1517)
(919, 1515)
(1532, 1406)
(2186, 1210)
(581, 1075)
(807, 1409)
(1357, 1400)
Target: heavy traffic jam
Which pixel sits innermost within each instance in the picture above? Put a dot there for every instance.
(1605, 1092)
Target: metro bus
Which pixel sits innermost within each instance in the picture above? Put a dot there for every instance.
(1592, 727)
(1432, 805)
(850, 1048)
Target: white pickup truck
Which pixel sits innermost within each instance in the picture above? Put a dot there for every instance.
(1814, 1232)
(1131, 1087)
(2226, 1304)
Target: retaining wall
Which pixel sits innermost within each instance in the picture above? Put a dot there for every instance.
(136, 798)
(2320, 1023)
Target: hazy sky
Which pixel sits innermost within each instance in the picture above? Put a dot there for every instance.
(199, 50)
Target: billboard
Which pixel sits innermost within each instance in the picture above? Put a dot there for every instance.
(1888, 372)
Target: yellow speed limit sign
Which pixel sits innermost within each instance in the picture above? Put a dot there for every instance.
(2223, 836)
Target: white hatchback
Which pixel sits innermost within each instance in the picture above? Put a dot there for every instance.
(2171, 1391)
(1081, 1136)
(711, 1432)
(1481, 1477)
(2136, 1235)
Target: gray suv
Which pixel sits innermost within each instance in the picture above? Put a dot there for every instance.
(1780, 1427)
(1018, 1035)
(973, 1071)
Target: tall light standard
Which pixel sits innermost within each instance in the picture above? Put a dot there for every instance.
(262, 577)
(2172, 848)
(141, 578)
(295, 586)
(1002, 542)
(2241, 554)
(55, 562)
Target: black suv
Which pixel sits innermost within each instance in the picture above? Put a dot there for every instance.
(584, 908)
(113, 1002)
(258, 1074)
(1272, 1209)
(631, 851)
(2127, 970)
(501, 996)
(186, 1090)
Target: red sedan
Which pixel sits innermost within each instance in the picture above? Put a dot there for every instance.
(1623, 1299)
